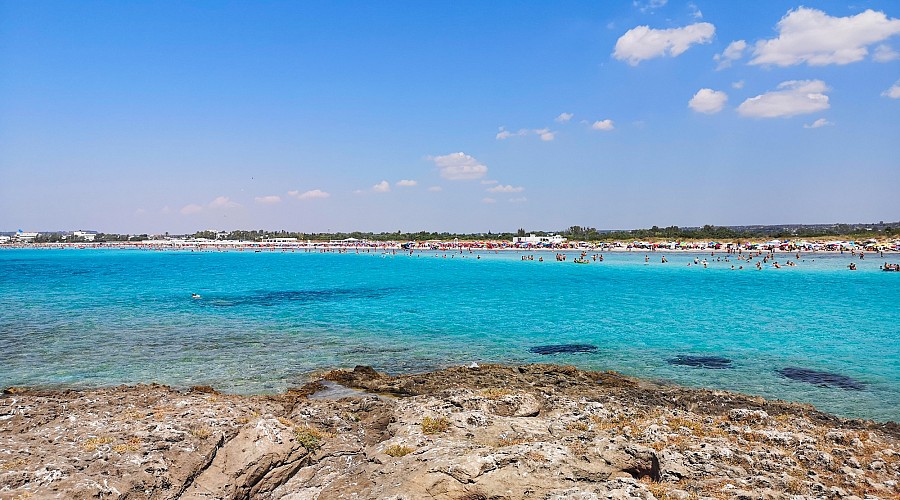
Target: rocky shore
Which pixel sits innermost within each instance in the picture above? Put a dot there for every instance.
(489, 432)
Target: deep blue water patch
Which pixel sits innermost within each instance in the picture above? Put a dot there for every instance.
(545, 350)
(275, 298)
(821, 379)
(711, 362)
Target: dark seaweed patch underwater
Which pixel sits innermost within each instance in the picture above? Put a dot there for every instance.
(821, 379)
(545, 350)
(711, 362)
(274, 298)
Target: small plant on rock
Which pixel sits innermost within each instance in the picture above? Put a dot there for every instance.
(494, 393)
(201, 432)
(309, 437)
(398, 450)
(92, 443)
(435, 425)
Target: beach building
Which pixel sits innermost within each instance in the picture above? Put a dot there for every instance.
(85, 235)
(23, 237)
(554, 239)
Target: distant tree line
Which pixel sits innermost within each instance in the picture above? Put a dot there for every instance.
(576, 233)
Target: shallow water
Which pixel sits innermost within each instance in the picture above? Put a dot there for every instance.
(266, 321)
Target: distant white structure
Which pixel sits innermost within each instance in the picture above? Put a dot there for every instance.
(85, 235)
(4, 239)
(24, 237)
(553, 239)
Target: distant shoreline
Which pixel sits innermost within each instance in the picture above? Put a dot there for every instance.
(829, 246)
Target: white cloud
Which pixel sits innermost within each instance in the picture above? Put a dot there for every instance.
(603, 125)
(191, 209)
(505, 189)
(406, 183)
(459, 167)
(488, 200)
(382, 187)
(649, 5)
(733, 52)
(268, 200)
(545, 134)
(821, 122)
(738, 85)
(435, 189)
(518, 200)
(642, 42)
(795, 97)
(893, 92)
(884, 53)
(309, 195)
(223, 202)
(813, 37)
(564, 117)
(506, 134)
(695, 11)
(708, 101)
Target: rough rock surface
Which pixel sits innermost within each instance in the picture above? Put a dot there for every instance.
(491, 432)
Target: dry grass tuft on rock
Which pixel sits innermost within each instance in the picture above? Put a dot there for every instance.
(494, 393)
(201, 432)
(398, 450)
(93, 443)
(310, 437)
(435, 425)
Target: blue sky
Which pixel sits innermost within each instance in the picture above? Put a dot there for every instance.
(447, 116)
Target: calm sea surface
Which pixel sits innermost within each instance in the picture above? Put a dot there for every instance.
(266, 321)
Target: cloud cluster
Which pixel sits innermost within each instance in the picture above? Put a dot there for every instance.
(733, 52)
(268, 200)
(813, 37)
(219, 203)
(821, 122)
(642, 42)
(795, 97)
(604, 125)
(382, 187)
(893, 92)
(500, 188)
(544, 133)
(459, 167)
(406, 183)
(649, 5)
(564, 117)
(309, 195)
(708, 101)
(884, 53)
(223, 202)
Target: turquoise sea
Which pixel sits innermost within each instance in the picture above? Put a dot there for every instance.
(267, 321)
